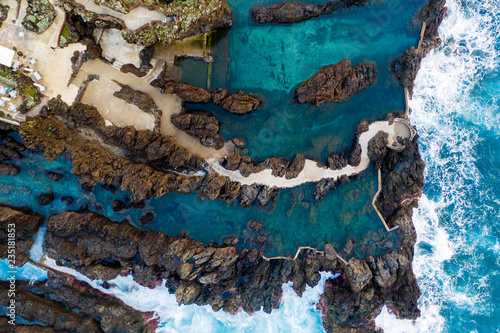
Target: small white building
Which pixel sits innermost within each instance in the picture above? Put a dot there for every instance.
(6, 56)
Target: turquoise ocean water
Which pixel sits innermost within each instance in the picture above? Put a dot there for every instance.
(456, 109)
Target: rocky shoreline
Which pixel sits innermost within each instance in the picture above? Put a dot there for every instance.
(146, 164)
(295, 11)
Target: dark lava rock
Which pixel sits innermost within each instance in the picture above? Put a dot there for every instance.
(11, 142)
(266, 195)
(188, 92)
(146, 218)
(295, 167)
(433, 16)
(248, 194)
(10, 152)
(260, 239)
(26, 224)
(9, 169)
(407, 66)
(109, 187)
(355, 155)
(69, 200)
(278, 166)
(233, 162)
(349, 246)
(46, 198)
(55, 176)
(239, 142)
(200, 125)
(145, 56)
(377, 148)
(292, 11)
(237, 102)
(240, 103)
(118, 205)
(336, 161)
(335, 83)
(255, 225)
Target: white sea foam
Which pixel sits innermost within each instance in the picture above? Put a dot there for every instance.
(449, 121)
(36, 251)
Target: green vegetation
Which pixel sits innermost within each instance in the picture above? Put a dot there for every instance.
(39, 16)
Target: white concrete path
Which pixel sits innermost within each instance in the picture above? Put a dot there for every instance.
(312, 172)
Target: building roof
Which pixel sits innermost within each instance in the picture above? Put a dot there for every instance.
(6, 56)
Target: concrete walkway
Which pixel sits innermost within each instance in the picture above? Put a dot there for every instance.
(135, 19)
(312, 172)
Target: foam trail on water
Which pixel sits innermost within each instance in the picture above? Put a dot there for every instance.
(449, 118)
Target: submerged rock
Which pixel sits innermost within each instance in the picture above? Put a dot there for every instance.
(255, 225)
(335, 83)
(295, 167)
(196, 273)
(55, 176)
(202, 125)
(46, 198)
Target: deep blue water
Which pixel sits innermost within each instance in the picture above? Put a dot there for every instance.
(456, 109)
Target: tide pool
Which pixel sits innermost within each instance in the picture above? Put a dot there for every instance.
(272, 60)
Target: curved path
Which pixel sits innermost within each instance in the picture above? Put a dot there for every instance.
(312, 172)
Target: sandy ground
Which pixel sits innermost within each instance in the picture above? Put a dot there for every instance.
(312, 172)
(135, 19)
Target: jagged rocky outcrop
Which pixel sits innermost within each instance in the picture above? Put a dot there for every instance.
(64, 304)
(219, 276)
(236, 102)
(336, 83)
(17, 229)
(10, 150)
(407, 65)
(280, 167)
(292, 11)
(200, 124)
